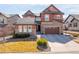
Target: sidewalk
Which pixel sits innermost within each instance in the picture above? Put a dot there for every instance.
(7, 37)
(68, 47)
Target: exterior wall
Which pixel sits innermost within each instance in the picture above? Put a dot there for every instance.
(51, 17)
(33, 29)
(74, 28)
(68, 21)
(51, 24)
(6, 30)
(3, 18)
(29, 18)
(12, 20)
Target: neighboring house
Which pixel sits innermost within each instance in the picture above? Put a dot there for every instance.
(72, 22)
(13, 18)
(7, 23)
(3, 18)
(50, 21)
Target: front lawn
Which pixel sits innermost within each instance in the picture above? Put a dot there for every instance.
(21, 46)
(76, 40)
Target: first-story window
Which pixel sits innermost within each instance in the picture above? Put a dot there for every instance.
(20, 28)
(29, 28)
(25, 28)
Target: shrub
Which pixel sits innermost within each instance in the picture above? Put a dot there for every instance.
(42, 32)
(22, 35)
(42, 42)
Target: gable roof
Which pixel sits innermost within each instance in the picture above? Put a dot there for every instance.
(5, 15)
(75, 16)
(52, 9)
(13, 15)
(28, 13)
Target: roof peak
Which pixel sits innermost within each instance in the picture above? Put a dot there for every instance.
(52, 9)
(29, 12)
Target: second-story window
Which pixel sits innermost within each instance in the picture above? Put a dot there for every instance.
(75, 24)
(70, 25)
(46, 17)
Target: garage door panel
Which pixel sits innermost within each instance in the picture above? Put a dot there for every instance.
(52, 30)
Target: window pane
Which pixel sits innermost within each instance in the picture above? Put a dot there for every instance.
(20, 28)
(75, 24)
(46, 17)
(24, 28)
(70, 25)
(30, 28)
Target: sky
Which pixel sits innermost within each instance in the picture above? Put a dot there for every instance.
(37, 8)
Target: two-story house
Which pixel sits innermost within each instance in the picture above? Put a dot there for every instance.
(50, 21)
(72, 22)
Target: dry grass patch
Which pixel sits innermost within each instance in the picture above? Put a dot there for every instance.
(74, 34)
(21, 46)
(76, 40)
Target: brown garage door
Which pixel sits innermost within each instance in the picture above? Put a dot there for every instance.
(52, 30)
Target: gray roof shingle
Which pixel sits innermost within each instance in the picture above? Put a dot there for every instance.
(76, 16)
(24, 21)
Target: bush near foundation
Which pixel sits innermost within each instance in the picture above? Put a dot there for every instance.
(22, 35)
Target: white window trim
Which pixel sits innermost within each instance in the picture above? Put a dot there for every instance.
(46, 17)
(30, 30)
(25, 28)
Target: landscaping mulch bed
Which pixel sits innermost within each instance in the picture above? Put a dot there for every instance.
(31, 38)
(20, 39)
(45, 49)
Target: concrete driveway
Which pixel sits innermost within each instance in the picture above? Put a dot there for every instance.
(61, 43)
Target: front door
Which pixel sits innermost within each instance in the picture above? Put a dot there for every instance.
(38, 28)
